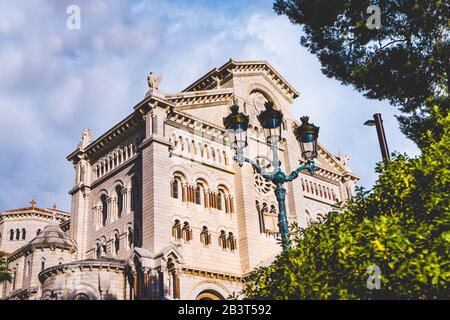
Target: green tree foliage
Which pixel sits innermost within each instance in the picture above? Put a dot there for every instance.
(405, 61)
(5, 274)
(402, 226)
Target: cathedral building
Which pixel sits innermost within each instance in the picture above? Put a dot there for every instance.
(160, 210)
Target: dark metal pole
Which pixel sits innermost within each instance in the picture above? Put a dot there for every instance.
(381, 136)
(280, 193)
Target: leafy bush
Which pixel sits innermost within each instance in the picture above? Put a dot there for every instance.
(402, 226)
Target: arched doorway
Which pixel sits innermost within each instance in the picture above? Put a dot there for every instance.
(209, 295)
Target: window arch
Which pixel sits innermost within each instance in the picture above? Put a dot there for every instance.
(98, 250)
(205, 236)
(219, 200)
(104, 207)
(224, 201)
(17, 234)
(223, 239)
(187, 232)
(119, 195)
(24, 234)
(11, 235)
(231, 241)
(176, 230)
(134, 196)
(176, 186)
(38, 231)
(200, 192)
(116, 242)
(225, 158)
(260, 211)
(198, 195)
(82, 296)
(130, 237)
(28, 268)
(14, 278)
(42, 264)
(268, 219)
(309, 219)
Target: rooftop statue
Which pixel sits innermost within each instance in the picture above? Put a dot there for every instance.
(153, 82)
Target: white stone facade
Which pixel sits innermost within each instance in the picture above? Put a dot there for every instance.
(160, 209)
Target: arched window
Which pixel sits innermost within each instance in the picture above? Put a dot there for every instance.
(104, 209)
(17, 234)
(98, 251)
(187, 232)
(134, 192)
(260, 217)
(28, 268)
(271, 221)
(176, 230)
(24, 233)
(219, 201)
(104, 247)
(42, 264)
(231, 241)
(81, 296)
(333, 195)
(14, 278)
(198, 195)
(38, 231)
(116, 243)
(11, 235)
(130, 237)
(225, 158)
(119, 196)
(205, 236)
(223, 239)
(309, 219)
(175, 188)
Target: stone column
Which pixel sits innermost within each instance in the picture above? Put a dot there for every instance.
(165, 283)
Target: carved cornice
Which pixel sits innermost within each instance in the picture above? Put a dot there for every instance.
(212, 274)
(116, 266)
(192, 100)
(193, 125)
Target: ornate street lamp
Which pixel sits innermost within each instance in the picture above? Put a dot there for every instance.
(236, 124)
(271, 119)
(307, 134)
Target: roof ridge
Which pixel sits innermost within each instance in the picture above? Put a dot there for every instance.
(221, 69)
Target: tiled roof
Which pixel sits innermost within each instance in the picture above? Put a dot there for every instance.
(53, 236)
(31, 209)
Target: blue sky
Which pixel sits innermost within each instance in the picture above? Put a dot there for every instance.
(55, 82)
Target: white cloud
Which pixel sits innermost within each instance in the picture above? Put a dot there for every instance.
(55, 82)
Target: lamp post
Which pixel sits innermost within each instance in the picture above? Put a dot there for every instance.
(236, 124)
(378, 123)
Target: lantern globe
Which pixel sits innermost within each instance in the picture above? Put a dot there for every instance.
(307, 135)
(271, 120)
(236, 124)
